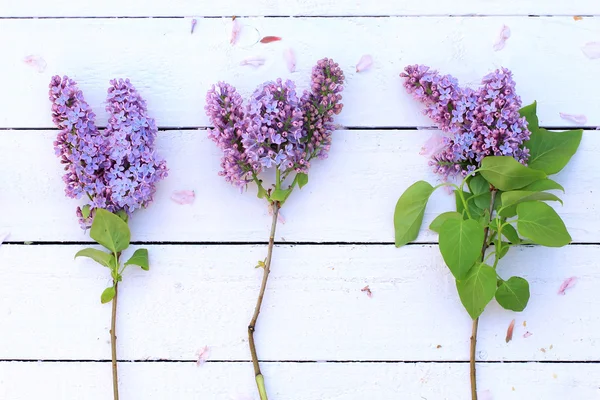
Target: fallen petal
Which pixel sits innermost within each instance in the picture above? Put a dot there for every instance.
(367, 291)
(577, 118)
(591, 50)
(270, 39)
(364, 63)
(502, 37)
(577, 18)
(183, 196)
(509, 332)
(236, 28)
(202, 355)
(280, 216)
(485, 395)
(193, 24)
(254, 61)
(290, 59)
(433, 145)
(527, 334)
(567, 284)
(36, 62)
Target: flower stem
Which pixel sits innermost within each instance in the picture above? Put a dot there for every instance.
(476, 320)
(113, 343)
(260, 380)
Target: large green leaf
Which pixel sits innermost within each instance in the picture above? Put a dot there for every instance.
(544, 184)
(530, 114)
(437, 223)
(409, 212)
(512, 198)
(101, 257)
(477, 289)
(506, 173)
(460, 244)
(513, 294)
(540, 223)
(551, 151)
(110, 231)
(139, 258)
(511, 234)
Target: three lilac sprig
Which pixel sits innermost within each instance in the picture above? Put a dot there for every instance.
(276, 129)
(503, 159)
(116, 170)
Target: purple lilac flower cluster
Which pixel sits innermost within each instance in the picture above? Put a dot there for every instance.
(480, 123)
(276, 128)
(116, 169)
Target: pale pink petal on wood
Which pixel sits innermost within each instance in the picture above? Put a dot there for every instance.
(280, 216)
(502, 38)
(36, 62)
(202, 355)
(433, 145)
(364, 63)
(254, 61)
(183, 196)
(591, 50)
(527, 334)
(367, 290)
(509, 331)
(577, 118)
(290, 59)
(270, 39)
(567, 284)
(236, 28)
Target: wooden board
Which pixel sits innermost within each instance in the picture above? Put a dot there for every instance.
(173, 69)
(350, 197)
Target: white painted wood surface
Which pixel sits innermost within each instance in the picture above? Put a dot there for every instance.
(322, 338)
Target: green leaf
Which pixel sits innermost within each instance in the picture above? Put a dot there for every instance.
(540, 223)
(123, 215)
(437, 223)
(475, 211)
(101, 257)
(280, 195)
(511, 234)
(513, 294)
(481, 191)
(551, 151)
(544, 184)
(108, 294)
(506, 173)
(139, 258)
(410, 208)
(302, 180)
(511, 199)
(262, 193)
(85, 211)
(503, 250)
(460, 244)
(530, 114)
(477, 289)
(110, 231)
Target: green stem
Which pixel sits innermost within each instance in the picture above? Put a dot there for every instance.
(277, 179)
(260, 380)
(113, 343)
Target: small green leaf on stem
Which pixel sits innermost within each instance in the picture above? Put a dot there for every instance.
(506, 173)
(85, 211)
(101, 257)
(511, 234)
(460, 245)
(544, 184)
(262, 193)
(280, 195)
(110, 231)
(540, 223)
(302, 180)
(513, 294)
(437, 223)
(123, 215)
(410, 208)
(477, 289)
(261, 264)
(480, 189)
(139, 258)
(475, 211)
(108, 294)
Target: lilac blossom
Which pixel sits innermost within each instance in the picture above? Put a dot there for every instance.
(275, 129)
(476, 124)
(116, 169)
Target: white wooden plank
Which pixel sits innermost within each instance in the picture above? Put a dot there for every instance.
(173, 69)
(351, 195)
(290, 381)
(63, 8)
(196, 296)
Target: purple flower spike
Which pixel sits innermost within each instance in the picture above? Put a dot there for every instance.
(477, 124)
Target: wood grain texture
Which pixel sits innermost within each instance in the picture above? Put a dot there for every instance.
(173, 69)
(292, 381)
(350, 197)
(71, 8)
(196, 296)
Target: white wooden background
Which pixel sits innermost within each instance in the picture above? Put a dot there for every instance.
(320, 337)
